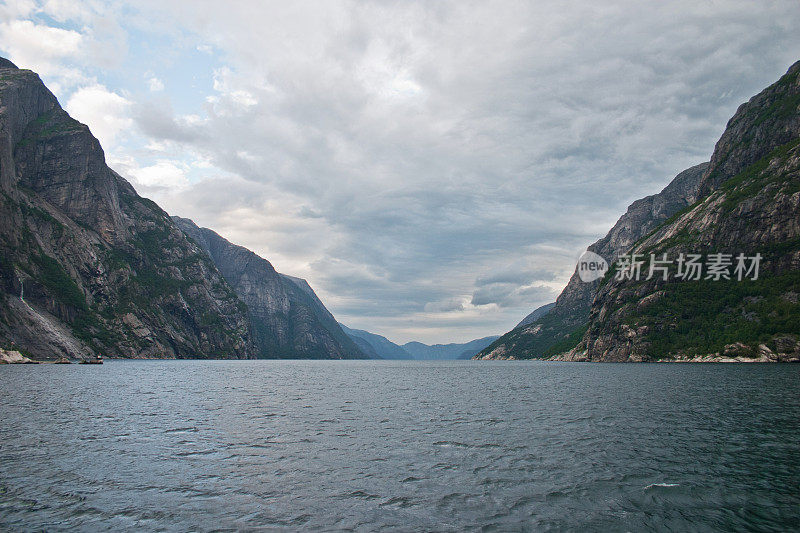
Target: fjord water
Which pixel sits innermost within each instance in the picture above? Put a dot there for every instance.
(365, 445)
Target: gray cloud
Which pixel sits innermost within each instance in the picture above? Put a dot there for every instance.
(156, 119)
(512, 295)
(416, 160)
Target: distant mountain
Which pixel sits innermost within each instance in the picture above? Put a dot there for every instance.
(380, 347)
(287, 319)
(419, 350)
(538, 313)
(377, 346)
(87, 266)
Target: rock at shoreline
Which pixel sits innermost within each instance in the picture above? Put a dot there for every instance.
(14, 358)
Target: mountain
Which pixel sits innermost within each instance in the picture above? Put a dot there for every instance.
(87, 266)
(536, 314)
(287, 319)
(749, 203)
(377, 346)
(565, 321)
(419, 350)
(746, 200)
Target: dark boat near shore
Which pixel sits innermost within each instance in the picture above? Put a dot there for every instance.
(96, 361)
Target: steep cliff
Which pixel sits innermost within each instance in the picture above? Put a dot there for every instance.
(749, 204)
(86, 265)
(559, 327)
(287, 319)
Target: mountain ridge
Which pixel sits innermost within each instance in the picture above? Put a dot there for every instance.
(287, 319)
(748, 204)
(87, 266)
(453, 350)
(378, 345)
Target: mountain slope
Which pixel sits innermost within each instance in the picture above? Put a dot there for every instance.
(287, 319)
(419, 350)
(563, 324)
(86, 265)
(750, 204)
(535, 315)
(377, 346)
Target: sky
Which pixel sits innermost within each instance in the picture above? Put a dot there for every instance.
(433, 169)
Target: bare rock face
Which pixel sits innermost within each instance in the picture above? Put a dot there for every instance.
(86, 265)
(287, 320)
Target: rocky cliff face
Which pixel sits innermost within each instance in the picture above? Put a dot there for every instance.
(561, 325)
(86, 265)
(749, 204)
(287, 319)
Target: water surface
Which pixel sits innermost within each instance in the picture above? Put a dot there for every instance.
(368, 445)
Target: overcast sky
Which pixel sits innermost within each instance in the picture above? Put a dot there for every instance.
(433, 169)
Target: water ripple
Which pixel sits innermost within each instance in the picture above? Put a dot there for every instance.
(364, 446)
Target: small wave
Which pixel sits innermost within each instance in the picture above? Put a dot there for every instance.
(398, 501)
(192, 429)
(653, 485)
(451, 444)
(196, 453)
(363, 495)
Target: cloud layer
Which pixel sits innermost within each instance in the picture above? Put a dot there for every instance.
(433, 169)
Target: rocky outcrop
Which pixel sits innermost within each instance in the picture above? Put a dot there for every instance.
(287, 319)
(562, 325)
(13, 357)
(87, 266)
(749, 204)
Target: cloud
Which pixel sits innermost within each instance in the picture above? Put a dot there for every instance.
(457, 157)
(61, 40)
(16, 10)
(152, 179)
(38, 46)
(104, 111)
(155, 84)
(445, 306)
(433, 169)
(513, 295)
(157, 120)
